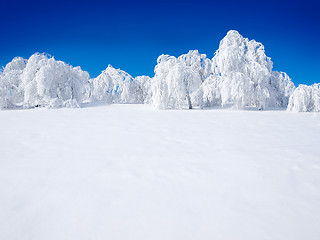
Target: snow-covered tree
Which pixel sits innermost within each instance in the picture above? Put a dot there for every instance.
(41, 81)
(145, 84)
(239, 75)
(209, 93)
(281, 87)
(46, 82)
(10, 81)
(305, 99)
(116, 86)
(176, 80)
(199, 63)
(243, 76)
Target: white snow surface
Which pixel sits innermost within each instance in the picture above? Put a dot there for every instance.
(132, 172)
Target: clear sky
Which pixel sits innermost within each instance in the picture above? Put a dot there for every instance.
(131, 34)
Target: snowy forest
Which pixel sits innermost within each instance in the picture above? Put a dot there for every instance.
(239, 76)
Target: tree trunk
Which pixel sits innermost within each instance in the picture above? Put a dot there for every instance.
(187, 92)
(189, 101)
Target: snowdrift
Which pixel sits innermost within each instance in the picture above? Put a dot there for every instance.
(239, 75)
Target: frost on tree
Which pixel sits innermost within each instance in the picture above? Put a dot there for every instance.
(145, 85)
(176, 80)
(50, 83)
(243, 77)
(282, 87)
(305, 99)
(10, 81)
(116, 86)
(41, 81)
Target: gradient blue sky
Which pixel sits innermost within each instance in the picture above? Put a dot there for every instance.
(131, 34)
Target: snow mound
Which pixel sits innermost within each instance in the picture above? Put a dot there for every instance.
(305, 99)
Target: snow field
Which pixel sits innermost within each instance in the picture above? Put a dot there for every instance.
(132, 172)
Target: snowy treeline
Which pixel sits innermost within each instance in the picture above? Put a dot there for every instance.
(239, 75)
(41, 81)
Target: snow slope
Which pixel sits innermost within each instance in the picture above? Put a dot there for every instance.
(132, 172)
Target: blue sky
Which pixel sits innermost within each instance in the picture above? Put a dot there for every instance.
(131, 34)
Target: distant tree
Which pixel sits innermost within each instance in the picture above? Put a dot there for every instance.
(116, 86)
(41, 81)
(46, 82)
(144, 83)
(177, 79)
(9, 83)
(305, 99)
(243, 76)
